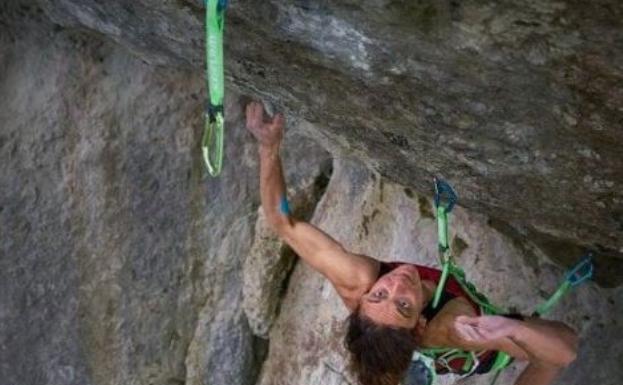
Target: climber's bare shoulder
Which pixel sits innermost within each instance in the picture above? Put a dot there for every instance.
(440, 331)
(350, 273)
(364, 276)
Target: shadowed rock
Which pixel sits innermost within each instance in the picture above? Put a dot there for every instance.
(517, 103)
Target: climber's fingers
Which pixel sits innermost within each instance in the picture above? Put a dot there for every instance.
(469, 332)
(486, 327)
(277, 122)
(266, 130)
(466, 320)
(254, 115)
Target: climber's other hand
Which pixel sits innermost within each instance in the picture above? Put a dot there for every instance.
(484, 328)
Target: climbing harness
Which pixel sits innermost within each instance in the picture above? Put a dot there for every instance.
(422, 370)
(212, 140)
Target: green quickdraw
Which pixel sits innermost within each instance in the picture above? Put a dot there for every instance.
(423, 364)
(582, 271)
(445, 199)
(213, 133)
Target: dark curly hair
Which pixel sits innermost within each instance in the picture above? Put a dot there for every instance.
(379, 354)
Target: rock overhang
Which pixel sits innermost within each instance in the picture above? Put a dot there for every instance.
(517, 104)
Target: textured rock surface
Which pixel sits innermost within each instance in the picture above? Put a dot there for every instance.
(266, 271)
(518, 103)
(369, 215)
(270, 261)
(120, 262)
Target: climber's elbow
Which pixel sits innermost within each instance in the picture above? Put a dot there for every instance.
(279, 223)
(571, 353)
(567, 355)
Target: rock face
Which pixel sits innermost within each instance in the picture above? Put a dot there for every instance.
(390, 222)
(122, 263)
(519, 104)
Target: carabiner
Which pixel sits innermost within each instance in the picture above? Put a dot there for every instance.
(444, 192)
(582, 271)
(212, 142)
(213, 133)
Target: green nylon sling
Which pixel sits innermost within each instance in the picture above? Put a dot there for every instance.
(212, 140)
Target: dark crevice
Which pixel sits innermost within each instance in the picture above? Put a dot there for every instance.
(259, 347)
(426, 209)
(322, 180)
(458, 246)
(304, 209)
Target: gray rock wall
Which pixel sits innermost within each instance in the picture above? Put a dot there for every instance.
(370, 215)
(121, 262)
(517, 102)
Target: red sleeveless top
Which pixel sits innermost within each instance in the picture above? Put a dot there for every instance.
(452, 287)
(451, 290)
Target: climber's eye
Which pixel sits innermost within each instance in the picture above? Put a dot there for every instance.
(378, 294)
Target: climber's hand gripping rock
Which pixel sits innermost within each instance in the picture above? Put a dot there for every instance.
(268, 131)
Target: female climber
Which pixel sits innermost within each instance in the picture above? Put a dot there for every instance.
(390, 316)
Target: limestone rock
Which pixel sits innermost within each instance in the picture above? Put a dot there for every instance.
(265, 271)
(372, 216)
(270, 261)
(120, 260)
(518, 103)
(265, 274)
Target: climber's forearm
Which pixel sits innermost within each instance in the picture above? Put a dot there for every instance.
(272, 185)
(546, 342)
(351, 274)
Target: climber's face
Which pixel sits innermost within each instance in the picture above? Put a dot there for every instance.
(396, 299)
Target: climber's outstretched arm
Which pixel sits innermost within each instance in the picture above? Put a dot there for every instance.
(549, 346)
(550, 343)
(351, 274)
